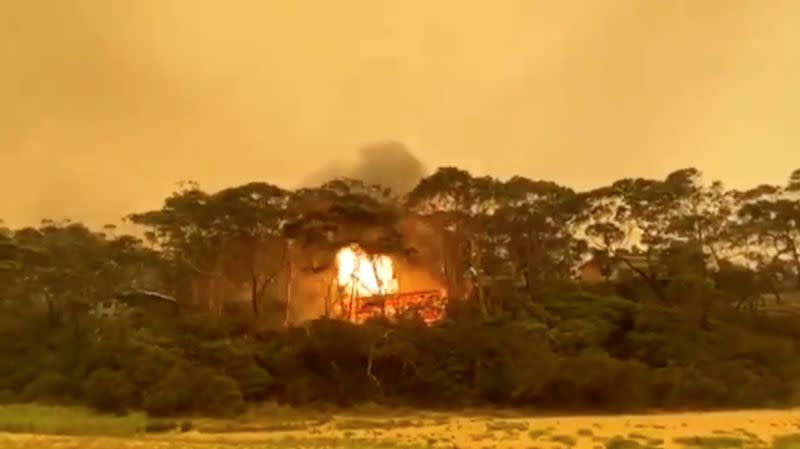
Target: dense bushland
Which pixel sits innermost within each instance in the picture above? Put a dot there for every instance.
(569, 351)
(691, 324)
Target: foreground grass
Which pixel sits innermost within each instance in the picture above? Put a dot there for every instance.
(787, 442)
(50, 420)
(282, 428)
(107, 443)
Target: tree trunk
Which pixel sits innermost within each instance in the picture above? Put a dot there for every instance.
(289, 279)
(477, 371)
(450, 266)
(485, 310)
(796, 257)
(477, 265)
(254, 295)
(705, 315)
(76, 326)
(51, 311)
(773, 288)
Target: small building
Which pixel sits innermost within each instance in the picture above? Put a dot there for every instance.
(623, 266)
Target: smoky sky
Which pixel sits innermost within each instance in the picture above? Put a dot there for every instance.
(106, 104)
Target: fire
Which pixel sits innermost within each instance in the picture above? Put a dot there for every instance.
(368, 287)
(362, 275)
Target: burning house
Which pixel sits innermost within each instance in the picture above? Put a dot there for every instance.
(356, 285)
(357, 260)
(367, 286)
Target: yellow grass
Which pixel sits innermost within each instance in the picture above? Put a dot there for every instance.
(718, 430)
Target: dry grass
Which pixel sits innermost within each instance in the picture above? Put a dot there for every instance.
(285, 429)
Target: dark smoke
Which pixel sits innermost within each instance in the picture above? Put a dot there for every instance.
(388, 163)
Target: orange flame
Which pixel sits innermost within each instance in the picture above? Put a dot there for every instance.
(372, 278)
(362, 275)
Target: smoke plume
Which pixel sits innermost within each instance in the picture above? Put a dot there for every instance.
(388, 163)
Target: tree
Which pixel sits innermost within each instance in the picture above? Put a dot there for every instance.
(633, 215)
(9, 251)
(72, 267)
(342, 211)
(774, 225)
(769, 229)
(232, 237)
(184, 231)
(740, 284)
(533, 223)
(336, 214)
(458, 205)
(794, 181)
(11, 259)
(703, 215)
(250, 220)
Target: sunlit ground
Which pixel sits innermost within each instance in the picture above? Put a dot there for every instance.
(737, 430)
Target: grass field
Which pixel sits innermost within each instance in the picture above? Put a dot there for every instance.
(32, 418)
(28, 426)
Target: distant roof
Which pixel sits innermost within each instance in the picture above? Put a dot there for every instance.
(627, 261)
(134, 294)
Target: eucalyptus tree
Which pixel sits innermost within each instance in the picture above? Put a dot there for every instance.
(459, 206)
(232, 237)
(770, 225)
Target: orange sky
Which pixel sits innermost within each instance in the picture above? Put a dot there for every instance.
(106, 104)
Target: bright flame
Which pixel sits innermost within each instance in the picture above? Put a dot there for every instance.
(362, 275)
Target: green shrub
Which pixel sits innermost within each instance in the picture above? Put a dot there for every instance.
(218, 395)
(254, 382)
(108, 391)
(194, 389)
(48, 387)
(619, 442)
(555, 348)
(172, 396)
(787, 442)
(711, 442)
(566, 440)
(9, 397)
(160, 426)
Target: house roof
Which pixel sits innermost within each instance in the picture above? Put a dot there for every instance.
(136, 295)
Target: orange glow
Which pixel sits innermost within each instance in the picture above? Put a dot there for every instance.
(427, 304)
(368, 287)
(363, 275)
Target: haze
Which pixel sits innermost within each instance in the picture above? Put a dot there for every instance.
(107, 104)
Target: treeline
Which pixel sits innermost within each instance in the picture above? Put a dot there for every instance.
(687, 328)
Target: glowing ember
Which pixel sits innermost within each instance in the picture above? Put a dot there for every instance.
(362, 275)
(427, 304)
